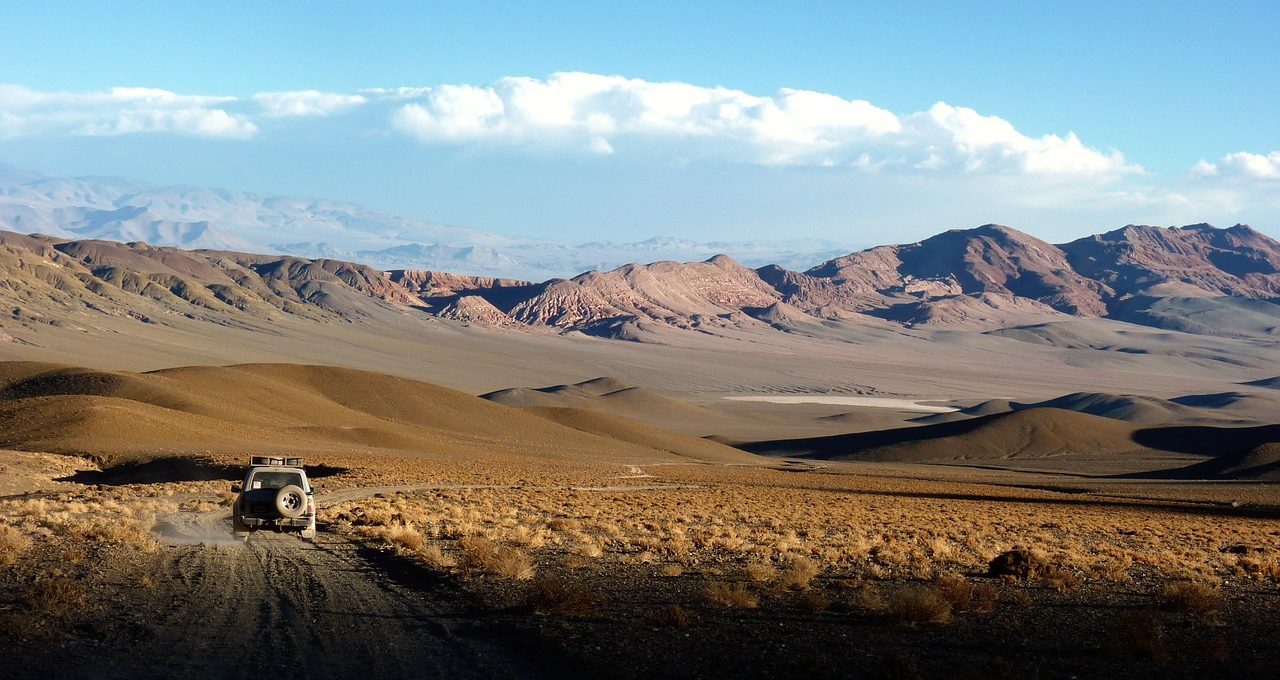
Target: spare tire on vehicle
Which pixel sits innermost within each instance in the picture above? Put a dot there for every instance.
(291, 501)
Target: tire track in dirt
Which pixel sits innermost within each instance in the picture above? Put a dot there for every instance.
(282, 606)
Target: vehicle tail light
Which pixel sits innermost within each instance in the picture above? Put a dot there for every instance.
(311, 505)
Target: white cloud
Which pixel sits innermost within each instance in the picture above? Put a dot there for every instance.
(123, 110)
(1244, 165)
(793, 127)
(305, 103)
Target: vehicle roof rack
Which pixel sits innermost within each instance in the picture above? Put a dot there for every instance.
(275, 460)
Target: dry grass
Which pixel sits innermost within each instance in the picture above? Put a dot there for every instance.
(1142, 635)
(1061, 580)
(548, 596)
(671, 616)
(735, 596)
(404, 537)
(436, 558)
(481, 555)
(815, 601)
(798, 574)
(1199, 599)
(919, 604)
(761, 573)
(13, 544)
(56, 596)
(877, 528)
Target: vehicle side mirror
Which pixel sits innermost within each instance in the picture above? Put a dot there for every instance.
(235, 488)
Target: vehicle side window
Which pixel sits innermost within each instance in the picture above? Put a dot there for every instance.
(275, 480)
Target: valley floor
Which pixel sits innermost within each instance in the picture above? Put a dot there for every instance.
(483, 569)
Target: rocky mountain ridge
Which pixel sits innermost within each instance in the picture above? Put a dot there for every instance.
(1189, 278)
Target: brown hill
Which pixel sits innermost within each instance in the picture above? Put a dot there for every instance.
(989, 259)
(626, 430)
(120, 416)
(610, 396)
(1195, 279)
(1192, 261)
(1033, 433)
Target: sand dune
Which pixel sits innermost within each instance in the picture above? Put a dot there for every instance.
(120, 416)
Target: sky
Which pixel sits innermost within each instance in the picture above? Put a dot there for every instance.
(861, 123)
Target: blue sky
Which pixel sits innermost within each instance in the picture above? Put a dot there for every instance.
(1172, 107)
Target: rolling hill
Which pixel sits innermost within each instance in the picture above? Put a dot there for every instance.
(120, 417)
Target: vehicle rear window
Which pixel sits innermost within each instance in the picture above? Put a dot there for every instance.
(275, 480)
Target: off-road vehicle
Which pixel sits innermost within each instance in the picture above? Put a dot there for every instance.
(275, 495)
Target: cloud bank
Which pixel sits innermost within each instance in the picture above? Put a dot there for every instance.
(119, 111)
(597, 114)
(981, 156)
(594, 113)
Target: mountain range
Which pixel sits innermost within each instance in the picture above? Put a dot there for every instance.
(191, 217)
(1197, 279)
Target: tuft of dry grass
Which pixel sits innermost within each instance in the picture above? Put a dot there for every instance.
(1142, 635)
(735, 596)
(1199, 599)
(56, 596)
(815, 601)
(671, 616)
(404, 537)
(13, 544)
(798, 574)
(549, 596)
(1061, 580)
(761, 573)
(965, 596)
(917, 605)
(671, 570)
(434, 557)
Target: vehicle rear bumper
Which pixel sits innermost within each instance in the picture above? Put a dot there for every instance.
(276, 522)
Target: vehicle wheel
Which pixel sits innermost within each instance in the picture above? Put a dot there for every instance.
(291, 501)
(309, 534)
(242, 536)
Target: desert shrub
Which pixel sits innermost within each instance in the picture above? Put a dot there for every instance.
(512, 563)
(815, 601)
(761, 572)
(1200, 599)
(477, 553)
(481, 555)
(405, 537)
(549, 596)
(122, 531)
(671, 616)
(1061, 580)
(57, 596)
(13, 544)
(671, 570)
(735, 596)
(869, 599)
(372, 516)
(965, 596)
(917, 605)
(436, 558)
(1142, 635)
(1018, 563)
(798, 574)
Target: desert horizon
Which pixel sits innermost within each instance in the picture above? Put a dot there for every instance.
(685, 340)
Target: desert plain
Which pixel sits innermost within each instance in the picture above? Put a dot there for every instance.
(731, 478)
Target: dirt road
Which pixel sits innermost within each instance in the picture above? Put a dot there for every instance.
(282, 607)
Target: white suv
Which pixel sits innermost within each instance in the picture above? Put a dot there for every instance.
(275, 495)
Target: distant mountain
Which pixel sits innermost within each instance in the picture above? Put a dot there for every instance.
(195, 244)
(192, 217)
